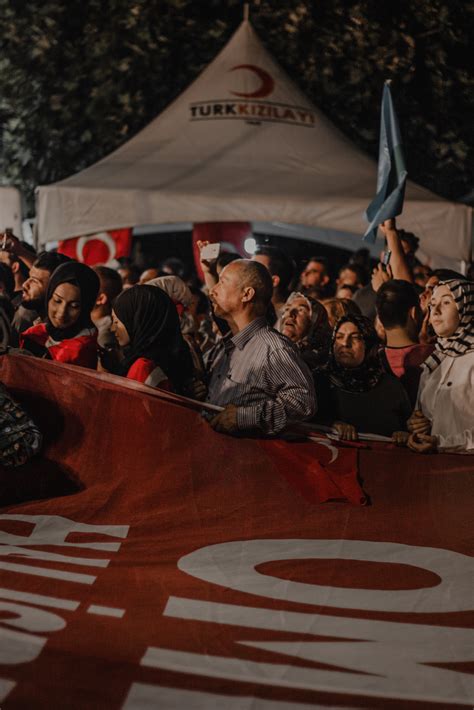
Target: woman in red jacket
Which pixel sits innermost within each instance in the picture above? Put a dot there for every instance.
(146, 326)
(68, 334)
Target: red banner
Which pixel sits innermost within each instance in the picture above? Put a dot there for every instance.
(230, 235)
(177, 568)
(98, 248)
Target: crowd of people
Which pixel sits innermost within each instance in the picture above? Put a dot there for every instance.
(386, 351)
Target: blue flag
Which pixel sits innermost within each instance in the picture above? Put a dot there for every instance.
(391, 174)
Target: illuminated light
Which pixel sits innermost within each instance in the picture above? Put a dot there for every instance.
(250, 245)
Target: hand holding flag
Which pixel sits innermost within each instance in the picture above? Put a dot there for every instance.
(392, 173)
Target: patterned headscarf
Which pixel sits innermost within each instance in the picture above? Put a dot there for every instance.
(315, 344)
(462, 340)
(368, 374)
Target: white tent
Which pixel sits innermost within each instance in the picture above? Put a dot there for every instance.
(241, 143)
(10, 209)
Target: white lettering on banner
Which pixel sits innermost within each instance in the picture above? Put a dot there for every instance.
(6, 687)
(428, 684)
(392, 664)
(47, 530)
(38, 599)
(48, 572)
(54, 529)
(18, 551)
(29, 618)
(232, 564)
(17, 646)
(143, 696)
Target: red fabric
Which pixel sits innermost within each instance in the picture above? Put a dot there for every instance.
(98, 248)
(308, 468)
(142, 369)
(75, 351)
(118, 453)
(401, 359)
(231, 235)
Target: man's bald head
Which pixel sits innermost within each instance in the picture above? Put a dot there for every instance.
(244, 291)
(256, 276)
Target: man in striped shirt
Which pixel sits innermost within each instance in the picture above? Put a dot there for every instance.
(257, 375)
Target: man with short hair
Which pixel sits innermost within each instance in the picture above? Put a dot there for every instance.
(281, 269)
(130, 275)
(33, 303)
(257, 375)
(398, 309)
(352, 275)
(315, 277)
(101, 315)
(20, 273)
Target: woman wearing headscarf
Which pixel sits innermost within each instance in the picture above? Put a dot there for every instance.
(181, 295)
(304, 321)
(354, 393)
(146, 324)
(68, 335)
(338, 307)
(444, 418)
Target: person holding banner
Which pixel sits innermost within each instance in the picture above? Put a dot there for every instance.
(68, 334)
(355, 393)
(443, 420)
(258, 375)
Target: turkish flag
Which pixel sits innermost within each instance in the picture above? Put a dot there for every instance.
(231, 236)
(98, 248)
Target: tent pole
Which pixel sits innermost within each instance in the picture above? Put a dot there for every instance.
(246, 12)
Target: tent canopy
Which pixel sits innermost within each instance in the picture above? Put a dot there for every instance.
(241, 143)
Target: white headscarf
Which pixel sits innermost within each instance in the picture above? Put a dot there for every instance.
(174, 287)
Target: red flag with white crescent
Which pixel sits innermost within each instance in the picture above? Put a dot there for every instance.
(98, 248)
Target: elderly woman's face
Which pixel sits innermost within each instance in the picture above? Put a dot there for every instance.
(349, 346)
(296, 319)
(444, 315)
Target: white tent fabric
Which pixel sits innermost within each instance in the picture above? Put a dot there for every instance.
(10, 209)
(241, 143)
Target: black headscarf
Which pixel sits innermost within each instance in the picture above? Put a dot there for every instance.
(87, 281)
(368, 374)
(152, 323)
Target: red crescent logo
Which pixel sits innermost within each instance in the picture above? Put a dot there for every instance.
(266, 86)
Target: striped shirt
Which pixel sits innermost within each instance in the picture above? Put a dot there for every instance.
(261, 372)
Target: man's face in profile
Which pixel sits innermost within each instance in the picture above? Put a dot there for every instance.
(34, 289)
(225, 295)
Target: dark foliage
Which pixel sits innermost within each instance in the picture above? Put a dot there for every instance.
(77, 79)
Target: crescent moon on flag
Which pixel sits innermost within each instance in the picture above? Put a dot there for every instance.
(103, 237)
(265, 88)
(324, 442)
